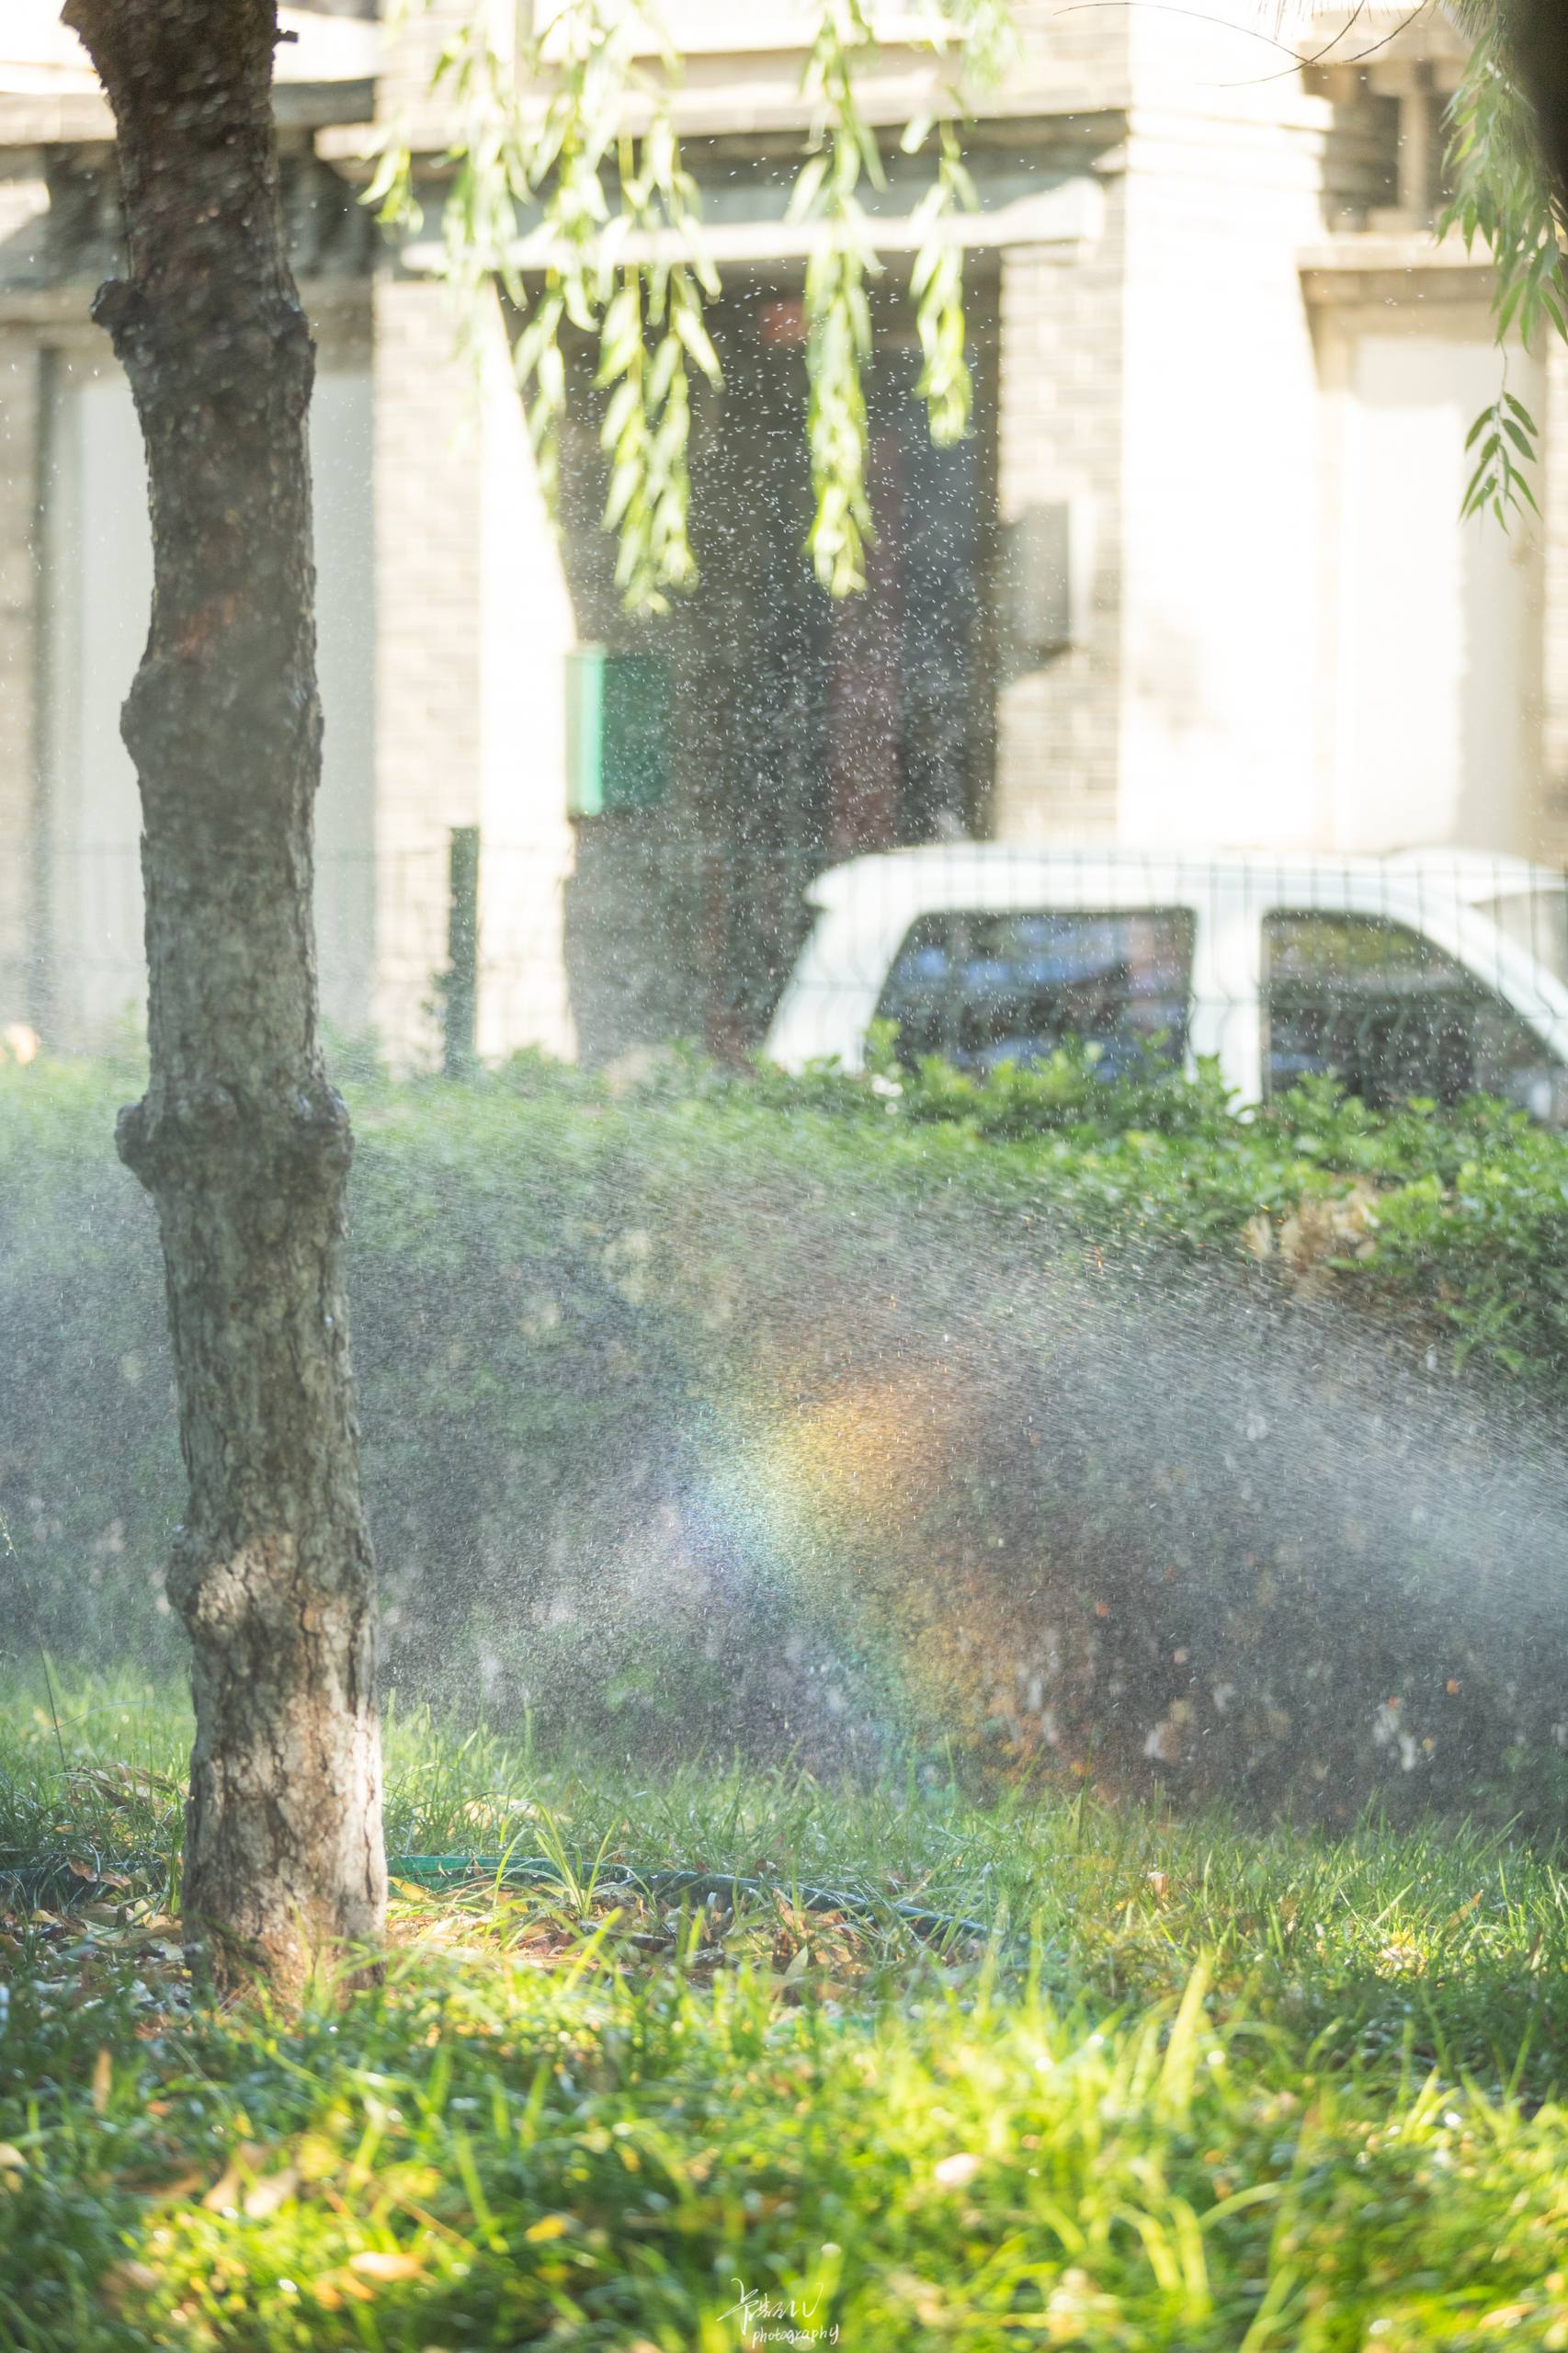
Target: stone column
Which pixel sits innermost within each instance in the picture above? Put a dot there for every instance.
(475, 625)
(21, 863)
(430, 618)
(1549, 818)
(1060, 444)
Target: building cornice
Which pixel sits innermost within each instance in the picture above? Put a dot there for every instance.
(1414, 264)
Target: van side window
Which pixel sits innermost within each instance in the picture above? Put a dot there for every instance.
(1391, 1015)
(982, 989)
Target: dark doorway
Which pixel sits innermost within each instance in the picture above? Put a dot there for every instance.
(805, 731)
(851, 725)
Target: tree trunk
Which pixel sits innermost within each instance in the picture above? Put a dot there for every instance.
(240, 1140)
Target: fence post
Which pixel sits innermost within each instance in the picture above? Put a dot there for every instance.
(460, 1043)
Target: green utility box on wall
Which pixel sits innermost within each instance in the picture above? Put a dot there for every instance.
(618, 731)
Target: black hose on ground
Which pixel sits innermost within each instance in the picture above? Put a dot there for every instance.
(64, 1885)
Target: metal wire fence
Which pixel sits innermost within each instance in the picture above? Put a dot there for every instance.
(1430, 973)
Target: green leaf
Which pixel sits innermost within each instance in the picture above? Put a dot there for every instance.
(661, 375)
(625, 403)
(696, 342)
(809, 182)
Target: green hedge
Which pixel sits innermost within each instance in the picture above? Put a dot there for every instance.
(1092, 1426)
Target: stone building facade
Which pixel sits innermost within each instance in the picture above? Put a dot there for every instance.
(1198, 577)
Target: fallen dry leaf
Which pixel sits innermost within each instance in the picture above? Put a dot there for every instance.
(267, 2196)
(331, 2289)
(225, 2191)
(180, 2185)
(375, 2264)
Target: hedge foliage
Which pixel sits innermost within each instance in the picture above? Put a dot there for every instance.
(1092, 1426)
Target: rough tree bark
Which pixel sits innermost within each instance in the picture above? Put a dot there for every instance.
(241, 1141)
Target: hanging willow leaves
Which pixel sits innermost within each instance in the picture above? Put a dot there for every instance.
(547, 190)
(1502, 196)
(653, 330)
(981, 36)
(1503, 443)
(844, 157)
(584, 224)
(936, 283)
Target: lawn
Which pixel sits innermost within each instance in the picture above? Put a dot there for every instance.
(1201, 2089)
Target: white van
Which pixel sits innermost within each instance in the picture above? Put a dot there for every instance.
(1433, 973)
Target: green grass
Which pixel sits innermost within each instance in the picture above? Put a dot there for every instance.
(1208, 2088)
